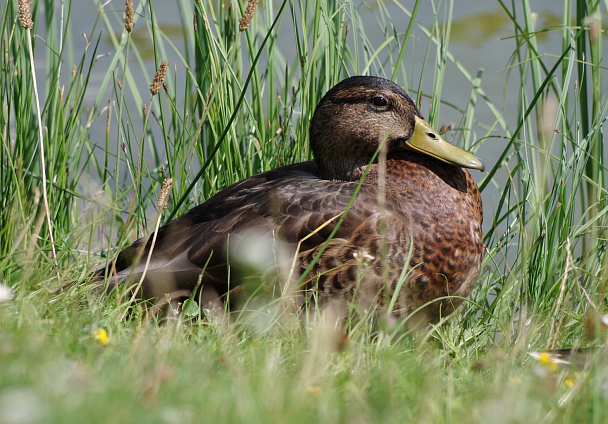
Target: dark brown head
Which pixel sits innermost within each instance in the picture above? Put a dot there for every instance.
(359, 115)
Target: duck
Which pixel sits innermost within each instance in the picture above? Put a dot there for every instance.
(386, 219)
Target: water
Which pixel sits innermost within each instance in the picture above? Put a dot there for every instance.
(479, 41)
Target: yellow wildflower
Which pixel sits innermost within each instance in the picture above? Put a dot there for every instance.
(101, 335)
(571, 379)
(548, 361)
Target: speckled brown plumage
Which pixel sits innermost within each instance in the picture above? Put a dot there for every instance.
(408, 202)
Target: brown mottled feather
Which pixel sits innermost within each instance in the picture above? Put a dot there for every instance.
(428, 206)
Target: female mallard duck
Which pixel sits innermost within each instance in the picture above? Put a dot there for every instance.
(351, 225)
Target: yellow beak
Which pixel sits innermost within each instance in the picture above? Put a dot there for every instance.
(428, 141)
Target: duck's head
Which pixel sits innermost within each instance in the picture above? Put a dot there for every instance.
(361, 114)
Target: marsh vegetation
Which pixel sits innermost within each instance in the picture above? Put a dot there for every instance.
(89, 136)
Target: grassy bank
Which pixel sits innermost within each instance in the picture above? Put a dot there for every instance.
(88, 137)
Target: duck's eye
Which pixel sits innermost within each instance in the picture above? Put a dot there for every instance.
(380, 101)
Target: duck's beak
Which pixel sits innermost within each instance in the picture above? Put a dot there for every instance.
(428, 141)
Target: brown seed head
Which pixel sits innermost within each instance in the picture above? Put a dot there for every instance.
(129, 13)
(164, 193)
(25, 14)
(159, 78)
(248, 15)
(594, 25)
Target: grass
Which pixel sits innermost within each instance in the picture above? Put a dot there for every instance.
(236, 103)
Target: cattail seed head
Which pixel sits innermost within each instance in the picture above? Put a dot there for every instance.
(159, 78)
(129, 14)
(25, 14)
(248, 15)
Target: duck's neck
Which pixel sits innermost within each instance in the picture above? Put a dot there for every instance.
(346, 169)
